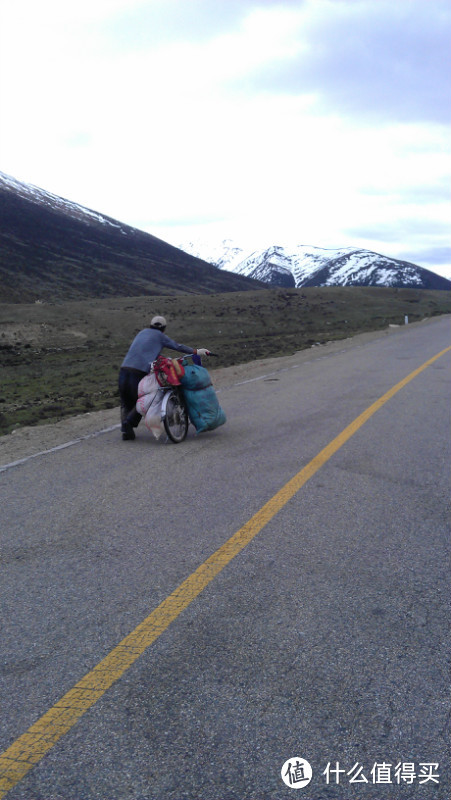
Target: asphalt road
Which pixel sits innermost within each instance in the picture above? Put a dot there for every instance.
(326, 638)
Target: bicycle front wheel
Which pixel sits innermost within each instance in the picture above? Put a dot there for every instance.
(176, 418)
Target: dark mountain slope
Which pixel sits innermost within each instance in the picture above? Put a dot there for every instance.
(51, 249)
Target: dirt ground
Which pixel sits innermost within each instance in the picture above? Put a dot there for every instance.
(28, 441)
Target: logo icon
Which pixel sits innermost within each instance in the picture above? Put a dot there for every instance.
(296, 773)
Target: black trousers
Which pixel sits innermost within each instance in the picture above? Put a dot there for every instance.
(128, 391)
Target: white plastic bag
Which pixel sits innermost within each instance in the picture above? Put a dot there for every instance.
(150, 400)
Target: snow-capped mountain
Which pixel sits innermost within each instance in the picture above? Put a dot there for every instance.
(304, 265)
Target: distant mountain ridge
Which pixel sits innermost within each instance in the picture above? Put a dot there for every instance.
(303, 266)
(54, 250)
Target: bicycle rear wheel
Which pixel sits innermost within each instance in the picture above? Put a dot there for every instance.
(176, 418)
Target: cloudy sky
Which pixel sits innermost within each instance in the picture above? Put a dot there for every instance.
(318, 122)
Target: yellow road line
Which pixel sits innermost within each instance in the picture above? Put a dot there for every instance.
(29, 748)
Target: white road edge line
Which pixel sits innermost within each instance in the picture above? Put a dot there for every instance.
(58, 447)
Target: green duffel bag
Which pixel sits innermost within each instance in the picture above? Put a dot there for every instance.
(203, 407)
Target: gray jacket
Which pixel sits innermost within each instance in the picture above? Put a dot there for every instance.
(147, 346)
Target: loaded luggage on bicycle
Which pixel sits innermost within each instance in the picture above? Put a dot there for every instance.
(176, 392)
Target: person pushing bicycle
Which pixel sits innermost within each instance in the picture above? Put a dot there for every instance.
(144, 349)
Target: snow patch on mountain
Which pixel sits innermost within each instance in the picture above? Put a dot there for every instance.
(41, 196)
(272, 265)
(221, 254)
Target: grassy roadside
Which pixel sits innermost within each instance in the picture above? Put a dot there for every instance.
(63, 359)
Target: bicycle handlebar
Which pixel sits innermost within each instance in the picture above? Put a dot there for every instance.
(189, 355)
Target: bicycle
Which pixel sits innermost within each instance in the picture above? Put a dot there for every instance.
(174, 412)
